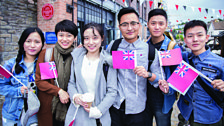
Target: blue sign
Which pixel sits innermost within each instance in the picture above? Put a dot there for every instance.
(50, 37)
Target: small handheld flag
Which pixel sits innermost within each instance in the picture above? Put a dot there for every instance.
(171, 57)
(7, 74)
(182, 77)
(4, 72)
(48, 70)
(124, 59)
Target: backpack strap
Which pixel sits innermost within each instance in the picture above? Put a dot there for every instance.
(151, 55)
(115, 45)
(171, 45)
(48, 54)
(211, 92)
(105, 70)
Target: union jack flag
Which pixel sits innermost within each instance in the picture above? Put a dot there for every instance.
(128, 55)
(52, 66)
(181, 69)
(165, 54)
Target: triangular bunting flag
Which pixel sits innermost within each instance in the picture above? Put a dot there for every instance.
(213, 10)
(206, 10)
(141, 1)
(150, 4)
(184, 7)
(176, 6)
(192, 9)
(159, 3)
(220, 11)
(123, 1)
(199, 9)
(205, 17)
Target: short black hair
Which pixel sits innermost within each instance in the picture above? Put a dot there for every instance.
(66, 26)
(126, 10)
(194, 23)
(156, 12)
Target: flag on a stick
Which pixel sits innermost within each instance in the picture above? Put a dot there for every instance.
(7, 74)
(124, 59)
(170, 57)
(48, 70)
(182, 77)
(4, 72)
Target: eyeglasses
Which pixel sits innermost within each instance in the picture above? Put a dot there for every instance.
(125, 25)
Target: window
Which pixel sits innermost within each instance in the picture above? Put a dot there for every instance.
(138, 6)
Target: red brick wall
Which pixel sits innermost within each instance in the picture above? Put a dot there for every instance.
(59, 14)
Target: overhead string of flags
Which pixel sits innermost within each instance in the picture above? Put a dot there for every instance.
(177, 6)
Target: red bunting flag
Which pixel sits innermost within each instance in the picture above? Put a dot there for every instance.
(206, 10)
(177, 20)
(123, 1)
(220, 11)
(188, 19)
(205, 17)
(150, 3)
(199, 9)
(176, 6)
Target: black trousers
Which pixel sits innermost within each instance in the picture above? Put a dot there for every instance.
(119, 118)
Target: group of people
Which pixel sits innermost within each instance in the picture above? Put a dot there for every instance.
(119, 98)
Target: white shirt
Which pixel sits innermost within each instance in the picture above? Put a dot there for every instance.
(88, 70)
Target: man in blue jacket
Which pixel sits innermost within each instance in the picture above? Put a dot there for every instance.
(197, 106)
(159, 104)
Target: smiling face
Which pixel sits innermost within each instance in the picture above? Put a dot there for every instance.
(92, 40)
(33, 44)
(65, 39)
(196, 38)
(131, 29)
(157, 26)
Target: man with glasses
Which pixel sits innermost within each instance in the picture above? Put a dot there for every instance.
(128, 108)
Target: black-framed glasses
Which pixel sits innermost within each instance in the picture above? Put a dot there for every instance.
(126, 24)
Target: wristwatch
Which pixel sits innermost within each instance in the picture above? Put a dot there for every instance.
(150, 75)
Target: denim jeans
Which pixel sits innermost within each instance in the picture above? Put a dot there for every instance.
(190, 122)
(8, 122)
(154, 105)
(32, 121)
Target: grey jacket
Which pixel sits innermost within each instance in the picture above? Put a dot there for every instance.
(105, 93)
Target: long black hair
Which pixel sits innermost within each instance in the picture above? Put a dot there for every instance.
(21, 42)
